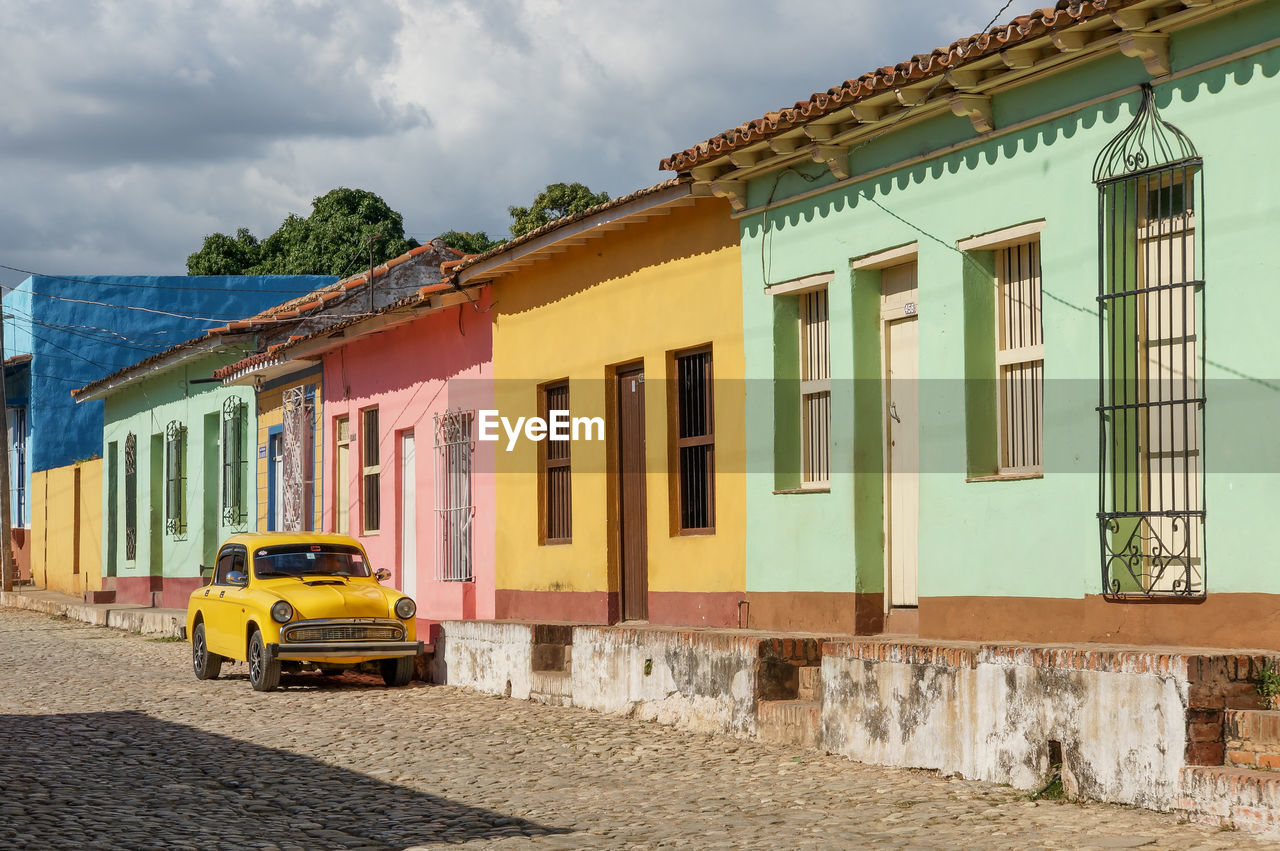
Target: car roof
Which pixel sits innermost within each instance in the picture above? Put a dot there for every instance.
(261, 539)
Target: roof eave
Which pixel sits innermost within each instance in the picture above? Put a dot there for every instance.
(576, 232)
(1134, 28)
(132, 375)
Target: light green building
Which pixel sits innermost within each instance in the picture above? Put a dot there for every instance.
(176, 475)
(1009, 320)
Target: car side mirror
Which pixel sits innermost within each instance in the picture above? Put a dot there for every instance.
(237, 577)
(206, 574)
(382, 574)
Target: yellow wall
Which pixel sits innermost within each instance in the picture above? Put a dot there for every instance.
(673, 282)
(54, 562)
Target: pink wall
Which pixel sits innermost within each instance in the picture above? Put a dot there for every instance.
(434, 363)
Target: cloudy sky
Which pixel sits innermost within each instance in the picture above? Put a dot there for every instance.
(132, 128)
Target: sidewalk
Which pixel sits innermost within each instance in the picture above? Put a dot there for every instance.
(170, 623)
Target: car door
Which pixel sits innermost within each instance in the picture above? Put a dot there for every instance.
(222, 616)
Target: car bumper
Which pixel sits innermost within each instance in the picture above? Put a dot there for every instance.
(306, 650)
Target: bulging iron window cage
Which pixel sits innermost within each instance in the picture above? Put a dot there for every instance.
(1151, 355)
(175, 493)
(234, 461)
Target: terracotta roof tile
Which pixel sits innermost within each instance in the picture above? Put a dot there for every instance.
(1063, 14)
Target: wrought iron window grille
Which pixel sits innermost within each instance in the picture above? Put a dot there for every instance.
(131, 497)
(175, 521)
(1151, 400)
(455, 507)
(299, 462)
(234, 461)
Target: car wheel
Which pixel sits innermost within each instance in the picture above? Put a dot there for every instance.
(207, 665)
(397, 672)
(264, 673)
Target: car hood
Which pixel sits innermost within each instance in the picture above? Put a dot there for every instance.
(329, 598)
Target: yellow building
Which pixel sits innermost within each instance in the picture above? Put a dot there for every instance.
(628, 317)
(66, 528)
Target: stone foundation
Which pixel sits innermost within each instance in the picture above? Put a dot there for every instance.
(1124, 725)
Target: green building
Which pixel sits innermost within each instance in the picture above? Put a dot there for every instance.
(176, 475)
(1009, 339)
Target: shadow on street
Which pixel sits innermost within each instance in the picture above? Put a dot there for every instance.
(126, 780)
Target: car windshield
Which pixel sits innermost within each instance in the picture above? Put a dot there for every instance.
(309, 560)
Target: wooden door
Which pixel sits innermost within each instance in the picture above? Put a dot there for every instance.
(902, 433)
(632, 509)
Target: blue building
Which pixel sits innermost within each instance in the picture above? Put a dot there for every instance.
(79, 329)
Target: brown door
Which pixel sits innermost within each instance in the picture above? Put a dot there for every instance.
(633, 547)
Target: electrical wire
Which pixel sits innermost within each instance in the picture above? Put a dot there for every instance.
(116, 283)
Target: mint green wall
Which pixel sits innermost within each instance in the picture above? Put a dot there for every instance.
(145, 409)
(1035, 537)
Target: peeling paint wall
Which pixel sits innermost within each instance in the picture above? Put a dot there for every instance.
(704, 682)
(491, 657)
(991, 713)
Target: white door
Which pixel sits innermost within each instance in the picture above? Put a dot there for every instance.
(902, 433)
(408, 516)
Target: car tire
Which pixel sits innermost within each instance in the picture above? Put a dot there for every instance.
(207, 665)
(264, 673)
(397, 672)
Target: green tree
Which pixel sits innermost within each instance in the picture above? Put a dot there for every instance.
(469, 242)
(225, 255)
(555, 202)
(333, 240)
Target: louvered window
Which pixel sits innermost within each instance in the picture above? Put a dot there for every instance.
(1020, 359)
(556, 478)
(695, 441)
(815, 389)
(371, 470)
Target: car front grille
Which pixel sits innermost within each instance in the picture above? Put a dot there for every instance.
(345, 632)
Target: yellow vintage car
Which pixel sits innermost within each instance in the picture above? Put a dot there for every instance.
(289, 600)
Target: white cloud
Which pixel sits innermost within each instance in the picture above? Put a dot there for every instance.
(134, 128)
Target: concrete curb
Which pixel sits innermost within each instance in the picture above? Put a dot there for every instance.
(169, 623)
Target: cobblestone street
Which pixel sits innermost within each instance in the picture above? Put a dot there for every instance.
(109, 741)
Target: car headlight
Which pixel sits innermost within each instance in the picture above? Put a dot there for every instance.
(281, 612)
(406, 608)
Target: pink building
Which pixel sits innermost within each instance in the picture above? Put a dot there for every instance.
(402, 470)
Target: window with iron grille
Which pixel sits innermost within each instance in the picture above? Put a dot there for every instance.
(1151, 404)
(1020, 359)
(815, 390)
(175, 468)
(556, 495)
(371, 471)
(695, 441)
(455, 508)
(131, 497)
(234, 461)
(298, 435)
